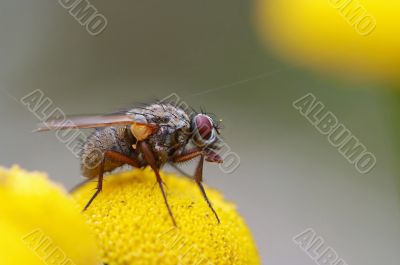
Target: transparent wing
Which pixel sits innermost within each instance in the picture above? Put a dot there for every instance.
(90, 121)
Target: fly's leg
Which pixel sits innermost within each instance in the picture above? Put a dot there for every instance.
(186, 156)
(198, 175)
(151, 160)
(116, 156)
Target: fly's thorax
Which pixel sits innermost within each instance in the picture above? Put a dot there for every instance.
(162, 114)
(173, 128)
(167, 140)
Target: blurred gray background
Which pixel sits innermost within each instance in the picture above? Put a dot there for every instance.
(290, 177)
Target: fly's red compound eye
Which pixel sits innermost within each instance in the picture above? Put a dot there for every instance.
(204, 126)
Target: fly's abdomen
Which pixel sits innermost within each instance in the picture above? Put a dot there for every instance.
(117, 139)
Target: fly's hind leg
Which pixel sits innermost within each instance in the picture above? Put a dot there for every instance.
(116, 156)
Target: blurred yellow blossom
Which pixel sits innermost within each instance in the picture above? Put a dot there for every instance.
(353, 38)
(40, 223)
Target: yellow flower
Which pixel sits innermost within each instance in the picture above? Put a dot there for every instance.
(40, 223)
(132, 224)
(354, 38)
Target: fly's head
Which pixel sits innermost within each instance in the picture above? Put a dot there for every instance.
(205, 131)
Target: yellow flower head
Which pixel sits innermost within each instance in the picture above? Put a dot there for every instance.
(40, 223)
(132, 224)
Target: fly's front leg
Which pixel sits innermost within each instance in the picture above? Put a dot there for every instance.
(198, 175)
(116, 156)
(209, 155)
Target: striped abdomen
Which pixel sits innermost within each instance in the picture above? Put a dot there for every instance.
(119, 139)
